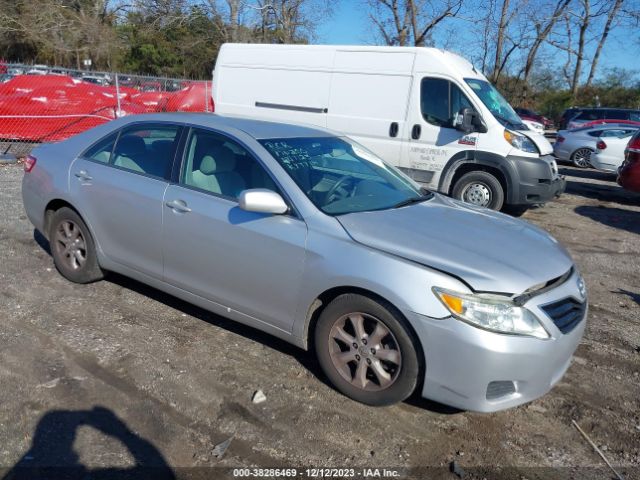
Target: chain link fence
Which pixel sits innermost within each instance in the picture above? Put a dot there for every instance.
(49, 104)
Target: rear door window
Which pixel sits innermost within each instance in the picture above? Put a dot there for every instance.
(616, 115)
(147, 149)
(590, 115)
(101, 151)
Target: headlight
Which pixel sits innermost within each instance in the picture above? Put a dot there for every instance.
(520, 142)
(492, 313)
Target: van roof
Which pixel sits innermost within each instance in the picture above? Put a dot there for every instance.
(423, 59)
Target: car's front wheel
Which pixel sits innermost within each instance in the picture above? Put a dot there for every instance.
(366, 351)
(72, 247)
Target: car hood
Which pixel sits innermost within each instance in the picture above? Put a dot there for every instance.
(540, 140)
(490, 251)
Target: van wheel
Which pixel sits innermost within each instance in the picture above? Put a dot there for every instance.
(72, 247)
(366, 352)
(481, 189)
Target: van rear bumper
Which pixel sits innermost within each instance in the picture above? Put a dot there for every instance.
(536, 183)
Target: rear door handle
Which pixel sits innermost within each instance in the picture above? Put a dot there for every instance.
(178, 206)
(83, 175)
(393, 129)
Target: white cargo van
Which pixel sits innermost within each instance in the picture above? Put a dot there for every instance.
(427, 111)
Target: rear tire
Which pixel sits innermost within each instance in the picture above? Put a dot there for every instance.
(580, 158)
(481, 189)
(72, 247)
(366, 351)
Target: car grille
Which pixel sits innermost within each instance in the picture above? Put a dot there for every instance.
(566, 313)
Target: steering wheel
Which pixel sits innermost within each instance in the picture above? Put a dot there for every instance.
(339, 191)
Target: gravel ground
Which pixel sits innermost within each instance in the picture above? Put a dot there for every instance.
(117, 376)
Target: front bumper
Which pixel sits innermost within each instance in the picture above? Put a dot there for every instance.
(537, 182)
(463, 362)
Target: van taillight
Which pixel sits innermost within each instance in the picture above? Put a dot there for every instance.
(601, 145)
(29, 163)
(560, 139)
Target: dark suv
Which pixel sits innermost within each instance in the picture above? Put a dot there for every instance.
(586, 115)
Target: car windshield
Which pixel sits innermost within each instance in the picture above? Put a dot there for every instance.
(340, 177)
(496, 103)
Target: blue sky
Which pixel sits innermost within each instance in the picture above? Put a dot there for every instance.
(350, 25)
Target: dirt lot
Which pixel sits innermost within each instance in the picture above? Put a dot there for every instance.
(118, 375)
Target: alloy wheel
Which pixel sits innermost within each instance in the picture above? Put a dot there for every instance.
(364, 351)
(581, 157)
(70, 245)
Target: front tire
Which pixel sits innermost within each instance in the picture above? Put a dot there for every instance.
(481, 189)
(72, 247)
(366, 351)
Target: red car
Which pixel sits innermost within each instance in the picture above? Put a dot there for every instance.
(629, 172)
(606, 121)
(527, 114)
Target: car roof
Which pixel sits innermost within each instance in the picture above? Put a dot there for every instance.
(259, 129)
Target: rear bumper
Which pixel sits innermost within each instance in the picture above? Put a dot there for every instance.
(604, 164)
(464, 363)
(629, 176)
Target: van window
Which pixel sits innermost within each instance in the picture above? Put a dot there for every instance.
(440, 101)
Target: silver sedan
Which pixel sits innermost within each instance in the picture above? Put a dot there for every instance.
(577, 145)
(314, 239)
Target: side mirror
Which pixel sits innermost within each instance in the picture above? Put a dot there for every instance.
(262, 200)
(468, 121)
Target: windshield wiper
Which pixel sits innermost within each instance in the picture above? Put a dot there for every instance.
(508, 123)
(412, 200)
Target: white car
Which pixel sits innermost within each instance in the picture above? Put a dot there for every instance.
(38, 70)
(609, 153)
(577, 145)
(535, 126)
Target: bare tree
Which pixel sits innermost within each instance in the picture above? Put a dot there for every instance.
(543, 26)
(410, 22)
(613, 12)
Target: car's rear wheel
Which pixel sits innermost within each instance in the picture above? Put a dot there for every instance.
(481, 189)
(365, 350)
(580, 158)
(72, 247)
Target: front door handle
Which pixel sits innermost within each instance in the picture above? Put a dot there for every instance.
(416, 131)
(83, 175)
(178, 206)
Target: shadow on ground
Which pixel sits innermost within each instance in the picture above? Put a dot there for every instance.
(612, 217)
(633, 296)
(306, 358)
(52, 454)
(607, 192)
